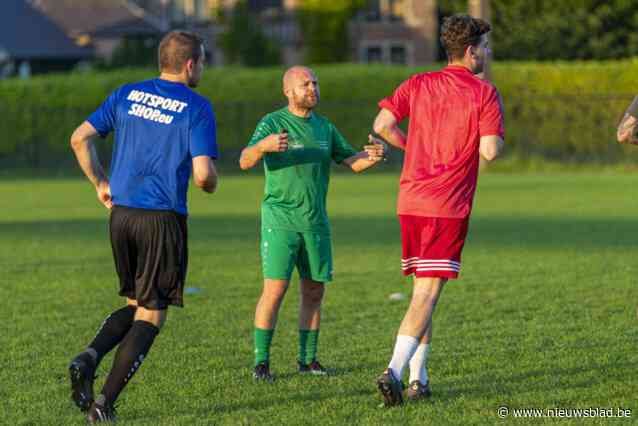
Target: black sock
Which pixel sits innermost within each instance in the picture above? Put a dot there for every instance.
(128, 358)
(112, 331)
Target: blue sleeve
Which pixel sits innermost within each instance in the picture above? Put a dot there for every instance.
(103, 119)
(203, 140)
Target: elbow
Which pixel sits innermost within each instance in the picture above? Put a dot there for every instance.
(243, 164)
(206, 183)
(244, 161)
(76, 142)
(490, 154)
(200, 181)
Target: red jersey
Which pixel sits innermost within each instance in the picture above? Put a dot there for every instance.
(449, 111)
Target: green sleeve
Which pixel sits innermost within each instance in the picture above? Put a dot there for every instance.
(264, 128)
(341, 149)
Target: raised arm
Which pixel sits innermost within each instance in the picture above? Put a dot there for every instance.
(205, 173)
(84, 150)
(250, 156)
(387, 127)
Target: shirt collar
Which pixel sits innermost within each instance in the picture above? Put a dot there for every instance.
(457, 68)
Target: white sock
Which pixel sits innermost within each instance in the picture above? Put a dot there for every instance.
(403, 351)
(419, 364)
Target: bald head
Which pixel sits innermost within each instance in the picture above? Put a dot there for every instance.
(301, 87)
(297, 73)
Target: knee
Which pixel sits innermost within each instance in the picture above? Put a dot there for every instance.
(312, 295)
(428, 290)
(155, 317)
(273, 295)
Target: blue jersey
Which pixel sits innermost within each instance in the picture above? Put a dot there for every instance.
(159, 127)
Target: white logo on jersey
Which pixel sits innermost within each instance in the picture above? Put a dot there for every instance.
(146, 106)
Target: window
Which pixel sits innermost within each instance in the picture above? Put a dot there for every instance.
(398, 55)
(374, 54)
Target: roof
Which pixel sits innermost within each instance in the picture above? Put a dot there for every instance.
(79, 17)
(28, 34)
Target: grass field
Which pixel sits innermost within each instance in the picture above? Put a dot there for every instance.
(543, 317)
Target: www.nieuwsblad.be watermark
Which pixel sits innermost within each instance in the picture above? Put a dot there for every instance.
(563, 413)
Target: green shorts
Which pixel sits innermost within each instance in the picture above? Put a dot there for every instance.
(282, 250)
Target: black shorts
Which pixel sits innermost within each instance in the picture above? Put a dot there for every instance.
(150, 249)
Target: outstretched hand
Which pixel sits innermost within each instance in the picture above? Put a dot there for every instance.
(376, 149)
(103, 190)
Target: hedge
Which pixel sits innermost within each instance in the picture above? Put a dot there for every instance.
(563, 111)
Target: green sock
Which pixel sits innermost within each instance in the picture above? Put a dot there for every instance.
(308, 345)
(263, 338)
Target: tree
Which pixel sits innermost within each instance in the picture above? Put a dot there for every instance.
(559, 30)
(244, 43)
(324, 25)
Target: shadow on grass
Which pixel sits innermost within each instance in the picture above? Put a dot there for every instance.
(493, 231)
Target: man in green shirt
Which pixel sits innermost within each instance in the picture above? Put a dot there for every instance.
(297, 146)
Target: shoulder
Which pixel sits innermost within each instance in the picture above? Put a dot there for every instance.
(199, 102)
(322, 119)
(488, 89)
(271, 118)
(422, 77)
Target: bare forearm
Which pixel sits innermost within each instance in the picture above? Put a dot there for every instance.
(251, 156)
(88, 160)
(394, 136)
(360, 162)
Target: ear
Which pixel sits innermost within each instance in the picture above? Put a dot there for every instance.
(190, 65)
(469, 51)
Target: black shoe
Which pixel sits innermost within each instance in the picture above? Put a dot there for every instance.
(82, 374)
(391, 389)
(417, 391)
(101, 413)
(262, 372)
(313, 368)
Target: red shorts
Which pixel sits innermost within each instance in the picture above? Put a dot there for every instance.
(432, 245)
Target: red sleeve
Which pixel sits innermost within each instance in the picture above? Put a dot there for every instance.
(491, 119)
(399, 102)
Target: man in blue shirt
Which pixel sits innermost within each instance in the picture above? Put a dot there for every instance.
(163, 132)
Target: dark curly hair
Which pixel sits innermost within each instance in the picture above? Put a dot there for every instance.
(460, 31)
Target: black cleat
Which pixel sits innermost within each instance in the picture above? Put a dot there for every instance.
(417, 391)
(262, 372)
(82, 374)
(99, 413)
(391, 389)
(313, 368)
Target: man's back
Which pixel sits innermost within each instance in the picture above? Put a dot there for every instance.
(449, 111)
(159, 127)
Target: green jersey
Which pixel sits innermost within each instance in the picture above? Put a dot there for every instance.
(297, 179)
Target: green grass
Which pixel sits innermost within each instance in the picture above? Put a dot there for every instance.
(543, 317)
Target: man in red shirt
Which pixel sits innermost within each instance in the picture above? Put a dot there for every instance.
(455, 117)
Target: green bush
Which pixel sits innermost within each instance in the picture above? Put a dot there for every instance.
(560, 111)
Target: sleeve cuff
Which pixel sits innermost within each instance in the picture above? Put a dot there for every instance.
(494, 132)
(99, 132)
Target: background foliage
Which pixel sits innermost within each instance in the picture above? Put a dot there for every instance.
(565, 29)
(244, 43)
(559, 111)
(324, 26)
